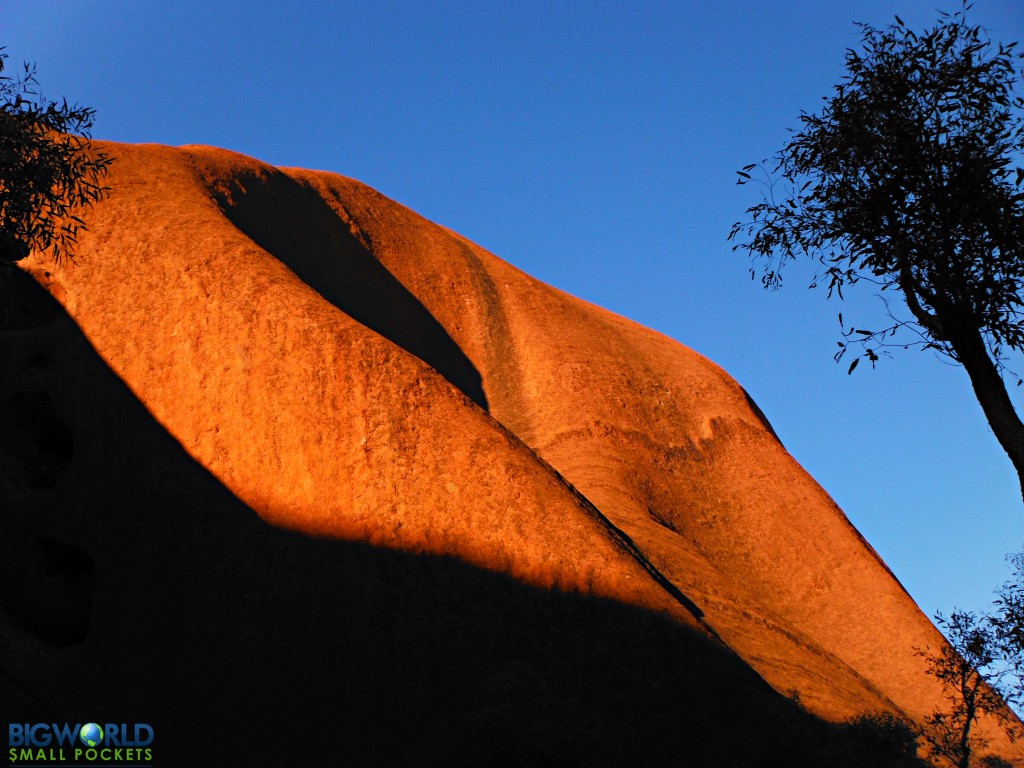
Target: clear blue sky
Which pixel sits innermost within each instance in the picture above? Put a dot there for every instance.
(594, 145)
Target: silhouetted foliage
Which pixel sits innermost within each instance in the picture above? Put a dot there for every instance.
(882, 739)
(974, 676)
(905, 180)
(1007, 626)
(878, 739)
(46, 172)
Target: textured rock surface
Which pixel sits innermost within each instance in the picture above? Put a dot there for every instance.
(535, 520)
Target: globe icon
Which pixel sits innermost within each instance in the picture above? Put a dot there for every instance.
(91, 735)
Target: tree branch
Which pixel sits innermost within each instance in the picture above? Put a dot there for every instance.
(923, 316)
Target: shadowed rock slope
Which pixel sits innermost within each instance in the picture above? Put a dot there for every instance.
(542, 532)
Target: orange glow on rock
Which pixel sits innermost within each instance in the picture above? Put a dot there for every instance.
(351, 370)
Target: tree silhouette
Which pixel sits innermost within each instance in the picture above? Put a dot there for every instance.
(46, 169)
(976, 679)
(906, 180)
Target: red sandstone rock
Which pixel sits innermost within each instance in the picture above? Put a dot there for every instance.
(352, 371)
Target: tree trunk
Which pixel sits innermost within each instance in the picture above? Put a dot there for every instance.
(990, 389)
(970, 714)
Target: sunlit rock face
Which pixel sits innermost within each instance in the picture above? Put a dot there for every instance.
(277, 452)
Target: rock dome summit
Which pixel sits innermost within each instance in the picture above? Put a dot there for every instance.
(278, 453)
